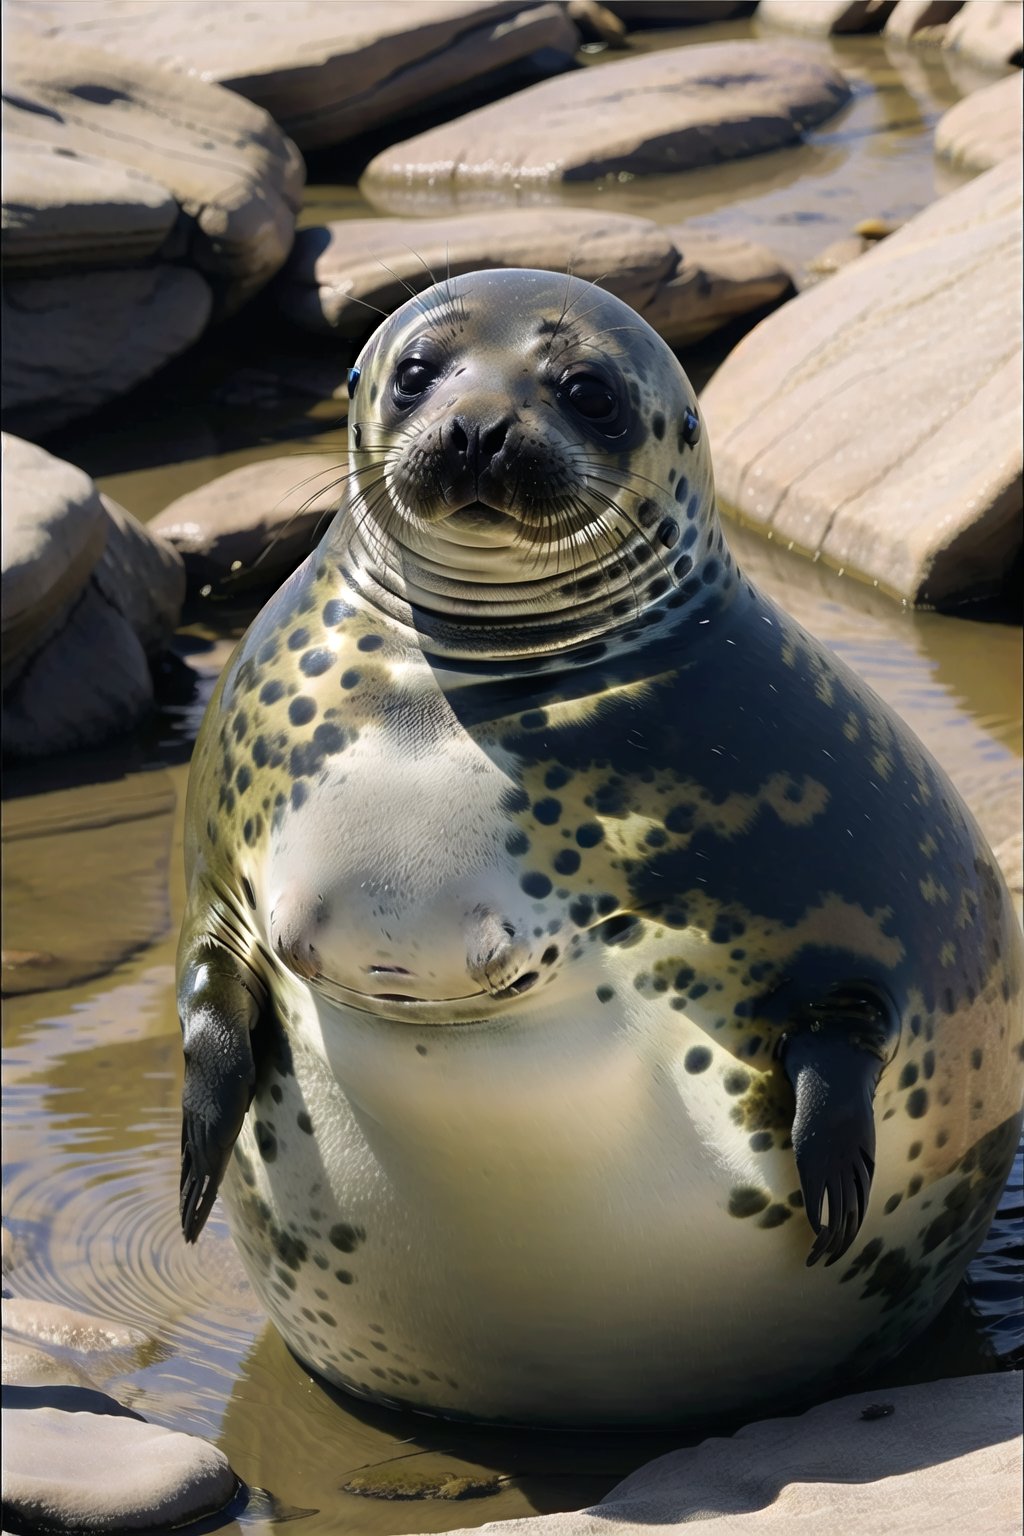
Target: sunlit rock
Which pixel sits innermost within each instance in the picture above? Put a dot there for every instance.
(983, 128)
(658, 112)
(875, 420)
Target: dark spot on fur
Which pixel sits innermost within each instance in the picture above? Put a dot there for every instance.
(369, 642)
(315, 663)
(535, 884)
(917, 1104)
(697, 1059)
(744, 1200)
(566, 861)
(266, 1142)
(346, 1237)
(547, 811)
(301, 710)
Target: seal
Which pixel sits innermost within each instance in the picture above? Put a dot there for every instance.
(598, 1009)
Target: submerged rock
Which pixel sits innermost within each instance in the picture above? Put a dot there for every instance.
(685, 282)
(875, 420)
(325, 72)
(254, 524)
(88, 594)
(942, 1456)
(669, 111)
(985, 127)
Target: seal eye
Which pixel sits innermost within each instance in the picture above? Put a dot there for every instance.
(413, 378)
(353, 380)
(690, 430)
(592, 399)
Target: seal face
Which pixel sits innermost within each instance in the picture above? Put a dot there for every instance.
(597, 1005)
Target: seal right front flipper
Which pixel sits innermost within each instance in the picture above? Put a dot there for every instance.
(219, 1004)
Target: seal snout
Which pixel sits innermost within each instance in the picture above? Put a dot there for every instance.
(471, 442)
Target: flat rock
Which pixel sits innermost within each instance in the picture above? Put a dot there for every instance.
(325, 73)
(822, 17)
(913, 16)
(235, 179)
(107, 1472)
(73, 343)
(985, 127)
(943, 1457)
(686, 283)
(990, 32)
(674, 13)
(255, 524)
(63, 208)
(54, 531)
(668, 111)
(875, 420)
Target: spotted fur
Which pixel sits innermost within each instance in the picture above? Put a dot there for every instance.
(535, 851)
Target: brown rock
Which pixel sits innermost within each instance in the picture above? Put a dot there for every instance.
(875, 420)
(73, 343)
(822, 17)
(256, 523)
(325, 72)
(913, 16)
(142, 577)
(669, 111)
(235, 178)
(674, 13)
(54, 531)
(686, 283)
(991, 32)
(106, 1471)
(984, 128)
(62, 208)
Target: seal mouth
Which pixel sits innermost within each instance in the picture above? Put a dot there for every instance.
(478, 517)
(402, 1007)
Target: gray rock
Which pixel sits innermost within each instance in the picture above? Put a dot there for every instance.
(669, 111)
(944, 1457)
(256, 523)
(91, 593)
(875, 420)
(913, 16)
(597, 23)
(63, 208)
(106, 1471)
(50, 1323)
(142, 576)
(54, 532)
(991, 32)
(686, 283)
(325, 73)
(674, 13)
(236, 179)
(985, 127)
(73, 343)
(822, 17)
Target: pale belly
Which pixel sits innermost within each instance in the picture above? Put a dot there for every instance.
(511, 1223)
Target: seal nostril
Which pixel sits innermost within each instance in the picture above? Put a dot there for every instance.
(457, 437)
(492, 440)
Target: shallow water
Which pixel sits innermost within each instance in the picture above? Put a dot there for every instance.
(94, 891)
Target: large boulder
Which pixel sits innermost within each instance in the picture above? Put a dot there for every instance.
(325, 72)
(669, 111)
(137, 203)
(685, 283)
(92, 597)
(985, 127)
(911, 17)
(941, 1457)
(824, 16)
(990, 32)
(876, 419)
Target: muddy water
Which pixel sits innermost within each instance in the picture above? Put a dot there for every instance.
(94, 892)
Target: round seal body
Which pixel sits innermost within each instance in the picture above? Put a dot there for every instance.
(575, 947)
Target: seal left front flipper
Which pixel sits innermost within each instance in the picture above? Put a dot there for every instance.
(219, 1003)
(833, 1056)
